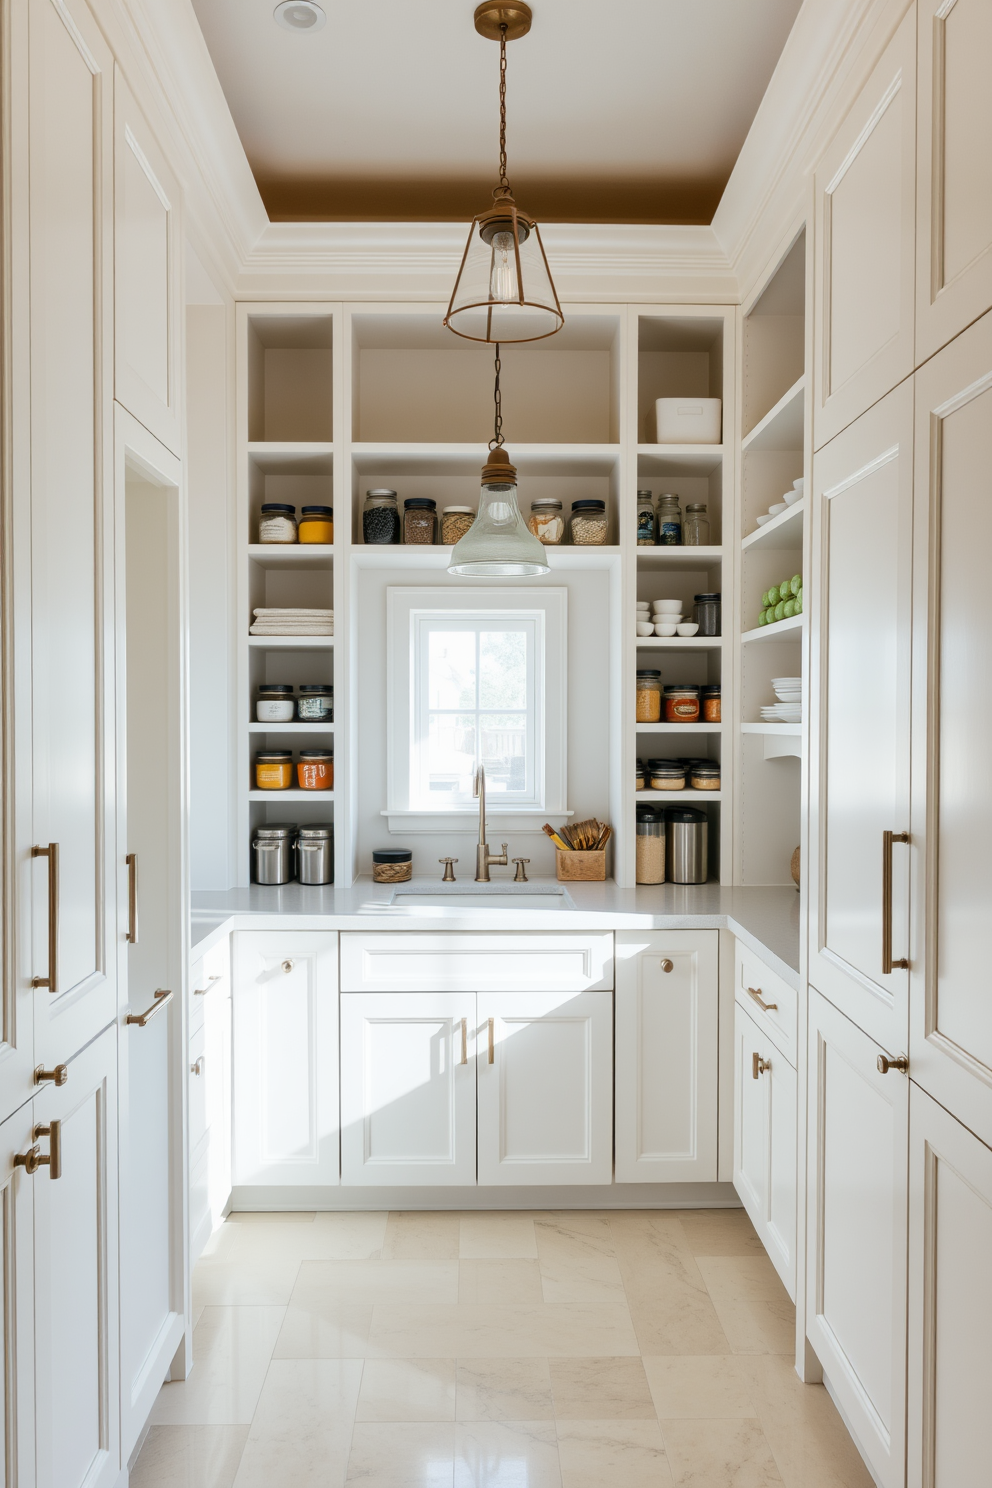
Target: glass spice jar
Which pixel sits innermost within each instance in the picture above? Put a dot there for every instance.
(380, 518)
(275, 703)
(316, 703)
(589, 524)
(640, 776)
(669, 521)
(708, 614)
(455, 522)
(277, 523)
(705, 777)
(645, 520)
(274, 769)
(316, 524)
(696, 525)
(649, 857)
(315, 769)
(649, 696)
(681, 704)
(667, 775)
(420, 520)
(546, 521)
(710, 703)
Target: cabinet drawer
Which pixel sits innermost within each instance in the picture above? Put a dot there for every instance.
(756, 984)
(209, 976)
(197, 1096)
(398, 962)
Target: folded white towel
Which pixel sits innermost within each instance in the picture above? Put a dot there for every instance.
(293, 614)
(305, 628)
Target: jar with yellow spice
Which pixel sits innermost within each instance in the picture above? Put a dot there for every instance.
(316, 524)
(649, 696)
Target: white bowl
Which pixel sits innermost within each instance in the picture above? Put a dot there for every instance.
(791, 497)
(799, 484)
(668, 606)
(645, 628)
(773, 511)
(766, 518)
(643, 604)
(687, 629)
(665, 630)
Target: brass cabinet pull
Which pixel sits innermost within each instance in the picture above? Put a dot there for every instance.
(32, 1160)
(202, 991)
(667, 965)
(162, 999)
(197, 1068)
(492, 1041)
(464, 1058)
(58, 1076)
(888, 963)
(884, 1064)
(51, 852)
(132, 898)
(766, 1007)
(759, 1065)
(287, 966)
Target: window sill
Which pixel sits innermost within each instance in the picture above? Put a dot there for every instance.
(466, 819)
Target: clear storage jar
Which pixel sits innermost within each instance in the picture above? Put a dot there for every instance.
(455, 522)
(708, 614)
(420, 520)
(649, 863)
(546, 521)
(589, 524)
(380, 518)
(709, 698)
(277, 523)
(667, 775)
(669, 527)
(648, 696)
(696, 525)
(316, 704)
(646, 530)
(316, 524)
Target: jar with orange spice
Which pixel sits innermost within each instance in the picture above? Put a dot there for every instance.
(649, 696)
(681, 704)
(710, 702)
(274, 769)
(315, 769)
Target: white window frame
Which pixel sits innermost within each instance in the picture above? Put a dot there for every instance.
(408, 614)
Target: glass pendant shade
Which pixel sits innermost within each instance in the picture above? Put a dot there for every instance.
(499, 540)
(504, 290)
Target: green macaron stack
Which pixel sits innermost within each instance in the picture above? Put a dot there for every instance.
(782, 601)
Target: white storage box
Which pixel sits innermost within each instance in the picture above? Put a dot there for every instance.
(688, 420)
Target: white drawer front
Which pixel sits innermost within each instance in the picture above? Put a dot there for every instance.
(769, 1000)
(397, 962)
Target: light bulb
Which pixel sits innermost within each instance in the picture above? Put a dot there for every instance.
(503, 271)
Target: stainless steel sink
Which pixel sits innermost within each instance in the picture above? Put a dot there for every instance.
(473, 896)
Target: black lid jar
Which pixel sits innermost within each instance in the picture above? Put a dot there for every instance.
(392, 865)
(380, 518)
(708, 614)
(277, 523)
(316, 702)
(420, 520)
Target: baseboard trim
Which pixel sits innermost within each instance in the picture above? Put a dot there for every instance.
(269, 1199)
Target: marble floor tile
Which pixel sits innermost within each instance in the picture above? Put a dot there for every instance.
(506, 1454)
(602, 1454)
(352, 1238)
(578, 1265)
(504, 1390)
(421, 1237)
(600, 1390)
(589, 1222)
(404, 1455)
(407, 1390)
(232, 1347)
(497, 1237)
(492, 1332)
(300, 1436)
(189, 1457)
(683, 1322)
(699, 1387)
(277, 1459)
(713, 1232)
(741, 1279)
(762, 1327)
(645, 1242)
(376, 1281)
(330, 1330)
(809, 1440)
(221, 1281)
(719, 1454)
(500, 1283)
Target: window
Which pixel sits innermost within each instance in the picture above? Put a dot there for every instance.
(476, 685)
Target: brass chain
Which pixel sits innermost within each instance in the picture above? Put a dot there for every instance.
(504, 183)
(497, 440)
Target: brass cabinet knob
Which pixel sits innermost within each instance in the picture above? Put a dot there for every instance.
(287, 966)
(885, 1064)
(197, 1068)
(58, 1076)
(759, 1065)
(667, 965)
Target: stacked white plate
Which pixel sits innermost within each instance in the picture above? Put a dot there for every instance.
(788, 709)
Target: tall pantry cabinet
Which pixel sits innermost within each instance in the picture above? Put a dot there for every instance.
(899, 1161)
(91, 300)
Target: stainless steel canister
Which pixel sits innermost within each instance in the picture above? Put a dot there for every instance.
(686, 845)
(272, 847)
(315, 853)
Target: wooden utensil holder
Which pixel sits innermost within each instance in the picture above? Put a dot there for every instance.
(581, 867)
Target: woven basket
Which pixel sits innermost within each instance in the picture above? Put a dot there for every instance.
(392, 872)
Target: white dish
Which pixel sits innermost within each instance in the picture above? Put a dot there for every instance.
(764, 519)
(668, 606)
(799, 484)
(643, 604)
(787, 681)
(665, 630)
(687, 629)
(791, 497)
(645, 628)
(777, 509)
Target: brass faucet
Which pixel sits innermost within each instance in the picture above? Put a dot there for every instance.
(483, 857)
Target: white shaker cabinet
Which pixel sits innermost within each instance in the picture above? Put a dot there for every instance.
(545, 1087)
(861, 648)
(17, 1138)
(950, 1008)
(667, 1017)
(285, 1012)
(765, 1142)
(408, 1088)
(954, 170)
(865, 284)
(950, 1300)
(856, 1233)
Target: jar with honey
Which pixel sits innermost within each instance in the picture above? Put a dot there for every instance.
(649, 696)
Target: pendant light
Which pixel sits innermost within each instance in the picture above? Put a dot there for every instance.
(499, 540)
(504, 290)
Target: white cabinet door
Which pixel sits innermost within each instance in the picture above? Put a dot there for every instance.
(71, 675)
(407, 1088)
(865, 287)
(147, 275)
(218, 1093)
(856, 1236)
(76, 1260)
(950, 1300)
(950, 1007)
(954, 170)
(765, 1143)
(17, 1412)
(286, 1057)
(545, 1064)
(860, 718)
(666, 1059)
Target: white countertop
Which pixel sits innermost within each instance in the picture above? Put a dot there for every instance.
(765, 919)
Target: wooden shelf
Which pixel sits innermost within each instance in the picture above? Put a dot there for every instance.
(278, 555)
(680, 728)
(784, 531)
(291, 795)
(673, 797)
(679, 643)
(782, 426)
(782, 630)
(291, 643)
(683, 555)
(291, 728)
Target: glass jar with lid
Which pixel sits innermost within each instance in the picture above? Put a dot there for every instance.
(709, 698)
(277, 523)
(315, 770)
(275, 703)
(705, 776)
(645, 520)
(589, 524)
(669, 521)
(649, 696)
(682, 704)
(696, 525)
(380, 517)
(274, 769)
(667, 774)
(316, 524)
(420, 520)
(455, 522)
(649, 865)
(316, 703)
(546, 520)
(708, 614)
